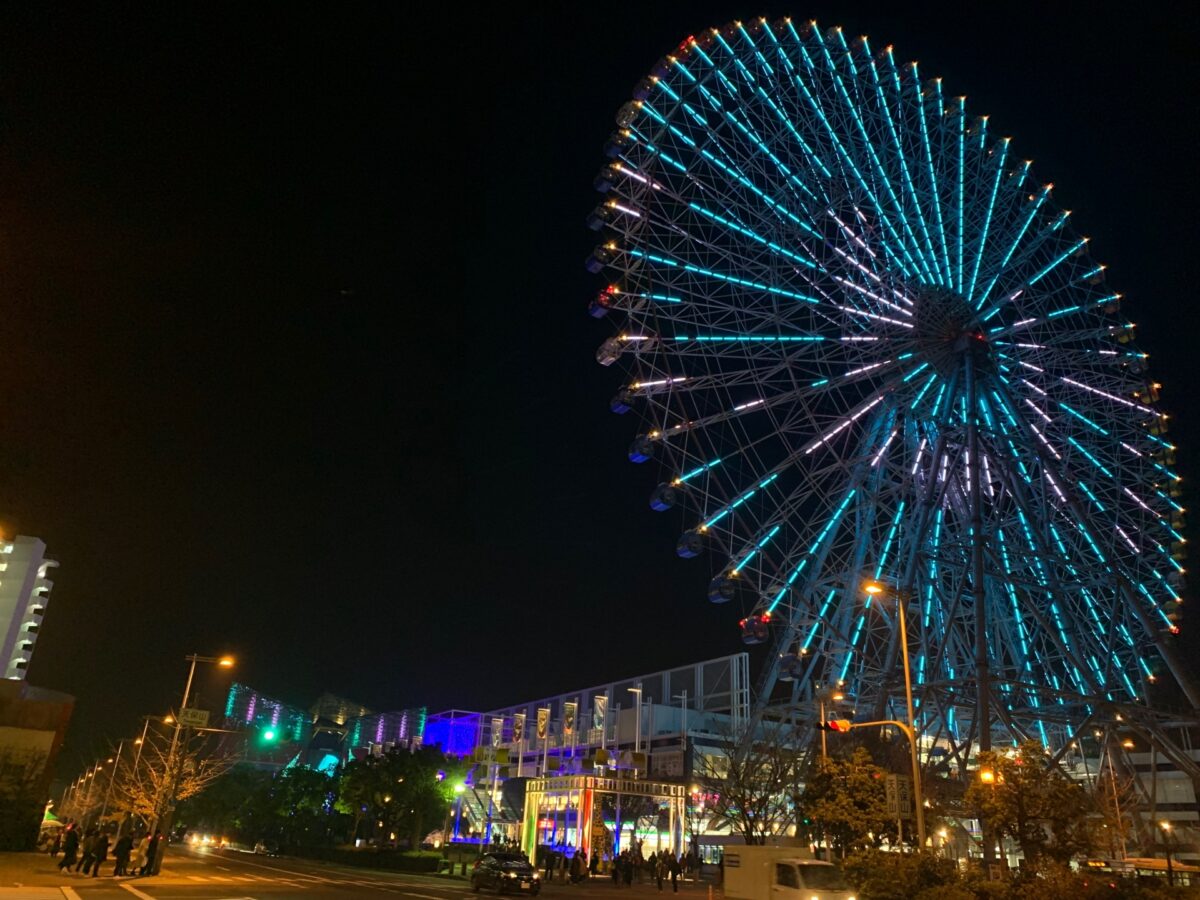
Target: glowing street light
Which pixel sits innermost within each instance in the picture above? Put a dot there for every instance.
(874, 589)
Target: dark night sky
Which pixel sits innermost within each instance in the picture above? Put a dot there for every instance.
(294, 355)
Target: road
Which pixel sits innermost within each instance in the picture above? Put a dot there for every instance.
(230, 875)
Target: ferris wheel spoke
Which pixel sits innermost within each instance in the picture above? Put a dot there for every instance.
(857, 182)
(868, 145)
(901, 158)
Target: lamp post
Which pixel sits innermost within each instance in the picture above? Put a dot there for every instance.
(116, 761)
(637, 734)
(874, 588)
(683, 708)
(173, 765)
(822, 695)
(1165, 825)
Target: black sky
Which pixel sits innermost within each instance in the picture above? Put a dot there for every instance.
(294, 355)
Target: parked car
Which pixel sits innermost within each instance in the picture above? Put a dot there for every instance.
(263, 848)
(505, 872)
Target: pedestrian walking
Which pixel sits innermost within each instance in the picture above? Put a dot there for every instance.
(549, 864)
(673, 865)
(577, 867)
(121, 851)
(99, 853)
(70, 848)
(616, 871)
(139, 853)
(627, 874)
(594, 865)
(659, 868)
(87, 852)
(56, 844)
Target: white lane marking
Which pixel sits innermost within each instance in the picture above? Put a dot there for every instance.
(291, 873)
(422, 896)
(198, 877)
(69, 892)
(129, 887)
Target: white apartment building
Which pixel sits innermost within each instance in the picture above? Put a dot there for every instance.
(24, 590)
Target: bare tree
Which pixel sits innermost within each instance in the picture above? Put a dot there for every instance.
(166, 773)
(751, 780)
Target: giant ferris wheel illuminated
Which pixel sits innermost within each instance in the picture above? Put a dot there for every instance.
(867, 346)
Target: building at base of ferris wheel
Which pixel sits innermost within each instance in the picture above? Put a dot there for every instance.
(566, 771)
(580, 771)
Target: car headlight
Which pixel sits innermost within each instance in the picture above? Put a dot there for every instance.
(536, 876)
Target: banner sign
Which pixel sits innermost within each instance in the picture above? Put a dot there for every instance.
(518, 728)
(543, 723)
(497, 731)
(570, 708)
(599, 712)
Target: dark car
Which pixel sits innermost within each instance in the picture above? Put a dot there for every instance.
(505, 872)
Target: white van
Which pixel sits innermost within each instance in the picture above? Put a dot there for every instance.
(781, 873)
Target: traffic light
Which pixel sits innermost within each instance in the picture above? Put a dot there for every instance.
(842, 725)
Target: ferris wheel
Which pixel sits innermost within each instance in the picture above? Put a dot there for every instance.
(870, 351)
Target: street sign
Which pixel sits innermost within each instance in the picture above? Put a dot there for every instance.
(904, 795)
(194, 718)
(898, 794)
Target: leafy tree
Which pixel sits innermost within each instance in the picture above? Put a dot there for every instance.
(303, 802)
(404, 793)
(751, 781)
(21, 797)
(1032, 802)
(846, 801)
(894, 876)
(238, 804)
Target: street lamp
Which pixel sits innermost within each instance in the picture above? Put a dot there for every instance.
(874, 588)
(637, 736)
(1165, 825)
(224, 662)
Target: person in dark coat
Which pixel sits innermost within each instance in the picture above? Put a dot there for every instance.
(673, 865)
(99, 853)
(151, 853)
(70, 848)
(121, 851)
(86, 852)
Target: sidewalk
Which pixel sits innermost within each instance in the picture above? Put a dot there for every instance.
(30, 871)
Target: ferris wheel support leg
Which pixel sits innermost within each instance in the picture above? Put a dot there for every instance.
(982, 674)
(1179, 669)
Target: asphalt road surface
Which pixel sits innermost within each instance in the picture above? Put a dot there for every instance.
(230, 875)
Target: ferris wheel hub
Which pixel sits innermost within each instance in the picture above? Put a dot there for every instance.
(946, 328)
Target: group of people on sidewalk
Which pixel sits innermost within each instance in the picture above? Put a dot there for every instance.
(628, 866)
(662, 867)
(87, 851)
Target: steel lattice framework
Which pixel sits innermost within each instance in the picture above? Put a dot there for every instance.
(868, 345)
